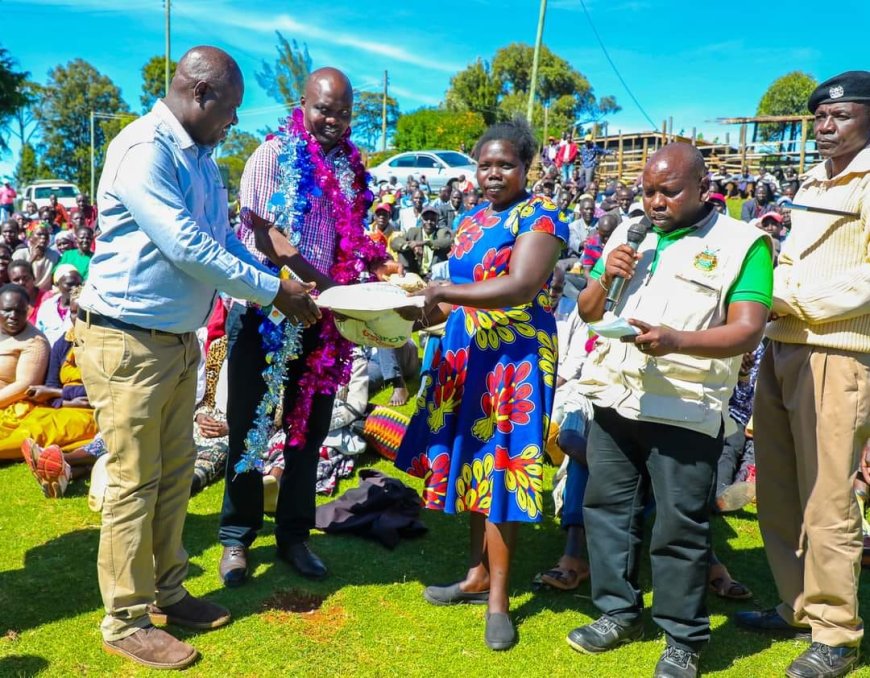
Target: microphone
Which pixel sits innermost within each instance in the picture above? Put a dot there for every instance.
(636, 234)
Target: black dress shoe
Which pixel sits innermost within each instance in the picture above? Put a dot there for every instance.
(676, 662)
(303, 560)
(603, 634)
(770, 621)
(823, 661)
(500, 632)
(453, 595)
(234, 565)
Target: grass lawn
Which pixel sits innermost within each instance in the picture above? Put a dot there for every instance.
(368, 617)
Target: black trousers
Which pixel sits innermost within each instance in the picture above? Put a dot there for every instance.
(626, 459)
(242, 511)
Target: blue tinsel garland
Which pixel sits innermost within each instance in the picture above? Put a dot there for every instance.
(281, 342)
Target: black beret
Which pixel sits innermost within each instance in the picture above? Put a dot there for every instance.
(848, 86)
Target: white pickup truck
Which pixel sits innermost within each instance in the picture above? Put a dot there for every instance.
(39, 192)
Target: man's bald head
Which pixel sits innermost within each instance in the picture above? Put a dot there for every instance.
(675, 185)
(680, 155)
(206, 64)
(327, 105)
(205, 92)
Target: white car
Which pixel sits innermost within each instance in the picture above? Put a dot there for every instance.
(439, 167)
(39, 192)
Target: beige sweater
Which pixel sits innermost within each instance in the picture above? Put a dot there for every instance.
(822, 284)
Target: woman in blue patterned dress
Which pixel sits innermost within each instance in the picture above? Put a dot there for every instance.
(477, 436)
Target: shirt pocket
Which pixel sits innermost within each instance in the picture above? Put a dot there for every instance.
(694, 300)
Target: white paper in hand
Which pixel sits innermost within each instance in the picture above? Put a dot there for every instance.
(613, 328)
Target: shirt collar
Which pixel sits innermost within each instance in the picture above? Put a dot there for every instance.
(677, 233)
(860, 165)
(182, 138)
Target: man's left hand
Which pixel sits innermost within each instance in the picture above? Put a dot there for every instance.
(387, 268)
(654, 341)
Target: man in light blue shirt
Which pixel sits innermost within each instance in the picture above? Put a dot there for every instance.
(165, 248)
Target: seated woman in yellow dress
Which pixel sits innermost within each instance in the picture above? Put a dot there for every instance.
(24, 354)
(54, 412)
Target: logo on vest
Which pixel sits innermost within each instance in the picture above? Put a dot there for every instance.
(836, 92)
(707, 260)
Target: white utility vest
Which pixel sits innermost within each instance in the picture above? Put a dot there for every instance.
(687, 292)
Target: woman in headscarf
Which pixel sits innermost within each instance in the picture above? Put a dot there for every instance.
(54, 317)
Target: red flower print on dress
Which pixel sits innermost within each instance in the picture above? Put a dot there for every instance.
(524, 476)
(471, 230)
(495, 263)
(506, 401)
(435, 482)
(544, 224)
(449, 384)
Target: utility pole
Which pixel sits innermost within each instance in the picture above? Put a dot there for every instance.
(384, 115)
(93, 197)
(167, 4)
(534, 81)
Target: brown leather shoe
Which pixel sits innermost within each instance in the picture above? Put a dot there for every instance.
(153, 648)
(192, 613)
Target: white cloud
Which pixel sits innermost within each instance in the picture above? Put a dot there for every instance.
(312, 33)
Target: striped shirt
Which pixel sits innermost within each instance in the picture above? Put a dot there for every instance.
(821, 287)
(260, 180)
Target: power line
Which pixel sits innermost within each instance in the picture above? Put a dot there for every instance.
(613, 66)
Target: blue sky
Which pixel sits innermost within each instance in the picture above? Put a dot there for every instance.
(691, 60)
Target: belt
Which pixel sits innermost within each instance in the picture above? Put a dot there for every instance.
(91, 318)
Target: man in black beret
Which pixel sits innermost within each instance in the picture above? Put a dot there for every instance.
(812, 399)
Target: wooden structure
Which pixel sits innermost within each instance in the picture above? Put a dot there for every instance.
(629, 152)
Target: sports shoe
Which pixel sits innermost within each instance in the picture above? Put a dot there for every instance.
(603, 634)
(676, 662)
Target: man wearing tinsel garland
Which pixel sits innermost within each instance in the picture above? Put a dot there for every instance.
(304, 197)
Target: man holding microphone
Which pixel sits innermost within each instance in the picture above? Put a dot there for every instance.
(698, 291)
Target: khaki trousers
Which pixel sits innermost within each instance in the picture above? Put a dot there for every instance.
(812, 417)
(142, 386)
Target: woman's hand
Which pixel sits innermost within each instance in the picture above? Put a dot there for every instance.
(41, 394)
(209, 427)
(81, 401)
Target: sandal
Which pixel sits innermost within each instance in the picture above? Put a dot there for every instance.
(564, 578)
(729, 589)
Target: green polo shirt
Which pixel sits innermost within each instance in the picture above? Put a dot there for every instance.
(754, 283)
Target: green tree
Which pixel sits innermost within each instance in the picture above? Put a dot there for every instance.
(234, 153)
(69, 96)
(29, 168)
(285, 81)
(501, 91)
(434, 128)
(368, 111)
(475, 89)
(12, 96)
(786, 95)
(154, 80)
